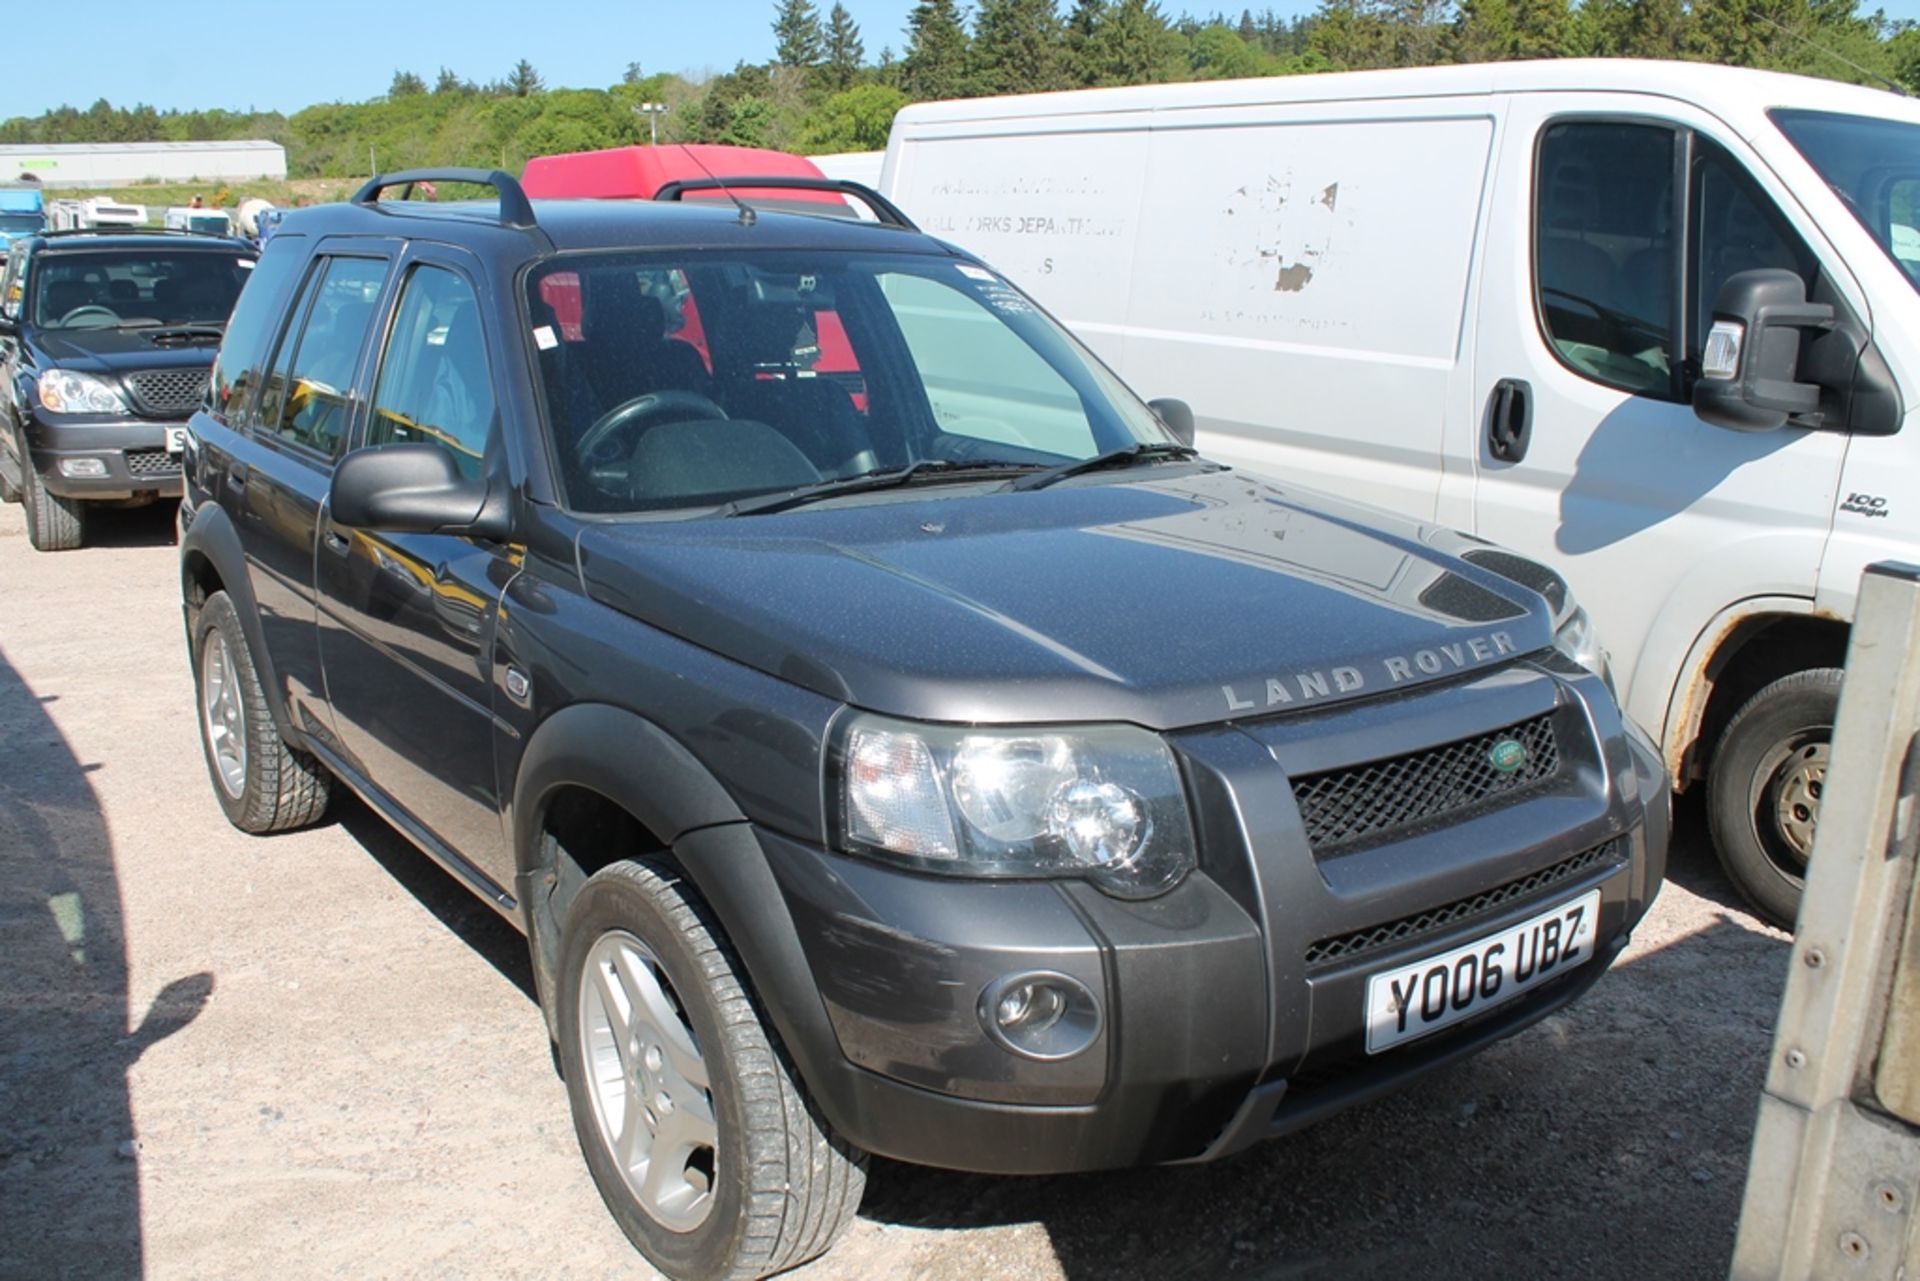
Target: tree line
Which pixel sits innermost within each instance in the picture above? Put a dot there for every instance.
(822, 92)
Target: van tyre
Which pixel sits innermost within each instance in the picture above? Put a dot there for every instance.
(263, 784)
(54, 524)
(1764, 788)
(695, 1127)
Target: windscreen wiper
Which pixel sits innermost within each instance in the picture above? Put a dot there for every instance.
(1125, 456)
(935, 468)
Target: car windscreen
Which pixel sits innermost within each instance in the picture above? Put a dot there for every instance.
(698, 379)
(1873, 165)
(115, 288)
(21, 222)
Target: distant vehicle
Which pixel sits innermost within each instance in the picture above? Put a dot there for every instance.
(247, 215)
(1655, 323)
(639, 173)
(856, 166)
(105, 343)
(22, 211)
(211, 222)
(103, 211)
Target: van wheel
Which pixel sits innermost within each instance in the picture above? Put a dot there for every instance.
(263, 784)
(1764, 788)
(694, 1126)
(54, 524)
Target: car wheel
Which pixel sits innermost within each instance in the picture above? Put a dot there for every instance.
(696, 1129)
(263, 784)
(54, 524)
(1764, 788)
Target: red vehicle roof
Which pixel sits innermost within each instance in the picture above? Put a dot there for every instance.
(636, 173)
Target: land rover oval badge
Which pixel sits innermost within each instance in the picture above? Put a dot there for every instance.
(1507, 755)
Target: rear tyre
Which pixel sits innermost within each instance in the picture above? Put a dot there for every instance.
(1764, 789)
(54, 524)
(263, 784)
(694, 1126)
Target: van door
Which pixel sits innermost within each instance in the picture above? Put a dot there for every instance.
(1620, 228)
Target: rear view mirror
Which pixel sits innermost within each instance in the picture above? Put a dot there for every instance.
(1751, 362)
(412, 489)
(1176, 416)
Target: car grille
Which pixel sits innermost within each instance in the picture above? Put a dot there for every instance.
(1343, 808)
(168, 393)
(1345, 947)
(152, 462)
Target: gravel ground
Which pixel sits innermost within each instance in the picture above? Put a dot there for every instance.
(315, 1055)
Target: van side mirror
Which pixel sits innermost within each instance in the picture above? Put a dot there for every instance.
(1751, 362)
(1176, 416)
(412, 489)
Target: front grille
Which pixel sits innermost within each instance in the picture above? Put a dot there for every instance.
(152, 462)
(1343, 808)
(168, 393)
(1345, 947)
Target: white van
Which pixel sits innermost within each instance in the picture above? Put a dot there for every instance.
(102, 211)
(1480, 295)
(209, 222)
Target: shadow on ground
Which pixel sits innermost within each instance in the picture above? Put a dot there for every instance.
(69, 1161)
(149, 526)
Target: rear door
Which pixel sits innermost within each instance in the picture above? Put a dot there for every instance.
(1620, 225)
(407, 619)
(276, 471)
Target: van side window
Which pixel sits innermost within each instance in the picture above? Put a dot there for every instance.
(1735, 228)
(1603, 251)
(307, 397)
(435, 385)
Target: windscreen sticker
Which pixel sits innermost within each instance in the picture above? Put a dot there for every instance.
(972, 272)
(543, 337)
(1003, 297)
(246, 263)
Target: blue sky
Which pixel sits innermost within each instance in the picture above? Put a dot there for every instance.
(287, 54)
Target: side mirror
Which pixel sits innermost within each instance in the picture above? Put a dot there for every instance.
(1176, 416)
(1751, 362)
(412, 489)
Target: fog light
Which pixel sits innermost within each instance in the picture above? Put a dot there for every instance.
(1040, 1015)
(82, 467)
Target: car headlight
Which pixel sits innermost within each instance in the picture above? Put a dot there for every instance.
(1101, 802)
(1575, 636)
(66, 392)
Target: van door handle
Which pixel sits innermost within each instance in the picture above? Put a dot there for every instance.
(337, 543)
(237, 474)
(1510, 420)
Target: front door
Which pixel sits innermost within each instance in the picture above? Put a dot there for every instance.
(1619, 229)
(407, 619)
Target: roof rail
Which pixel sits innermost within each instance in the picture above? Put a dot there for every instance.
(883, 209)
(515, 209)
(136, 229)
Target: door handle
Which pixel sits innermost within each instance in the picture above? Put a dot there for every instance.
(1510, 420)
(336, 542)
(237, 474)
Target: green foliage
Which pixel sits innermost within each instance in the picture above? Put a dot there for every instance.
(854, 120)
(798, 41)
(936, 61)
(821, 94)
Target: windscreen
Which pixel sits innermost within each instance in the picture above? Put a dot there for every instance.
(21, 223)
(693, 381)
(129, 288)
(1874, 166)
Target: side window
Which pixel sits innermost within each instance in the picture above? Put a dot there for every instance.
(435, 385)
(1903, 224)
(242, 358)
(981, 380)
(308, 395)
(1735, 228)
(1603, 251)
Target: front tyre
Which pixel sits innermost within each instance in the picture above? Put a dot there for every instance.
(696, 1130)
(54, 524)
(263, 784)
(1764, 788)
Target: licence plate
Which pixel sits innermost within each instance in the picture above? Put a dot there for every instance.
(1424, 996)
(176, 439)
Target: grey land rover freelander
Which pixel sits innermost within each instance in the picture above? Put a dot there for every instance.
(892, 737)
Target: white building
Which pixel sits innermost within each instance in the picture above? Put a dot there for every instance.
(120, 164)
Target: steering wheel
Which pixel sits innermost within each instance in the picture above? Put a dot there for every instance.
(639, 412)
(90, 309)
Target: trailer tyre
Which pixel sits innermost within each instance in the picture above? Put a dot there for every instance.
(1764, 788)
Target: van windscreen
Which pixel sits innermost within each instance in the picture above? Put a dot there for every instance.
(1874, 166)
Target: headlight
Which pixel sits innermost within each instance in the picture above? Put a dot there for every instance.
(1102, 802)
(1574, 635)
(65, 392)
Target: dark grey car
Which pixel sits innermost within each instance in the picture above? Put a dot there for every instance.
(891, 735)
